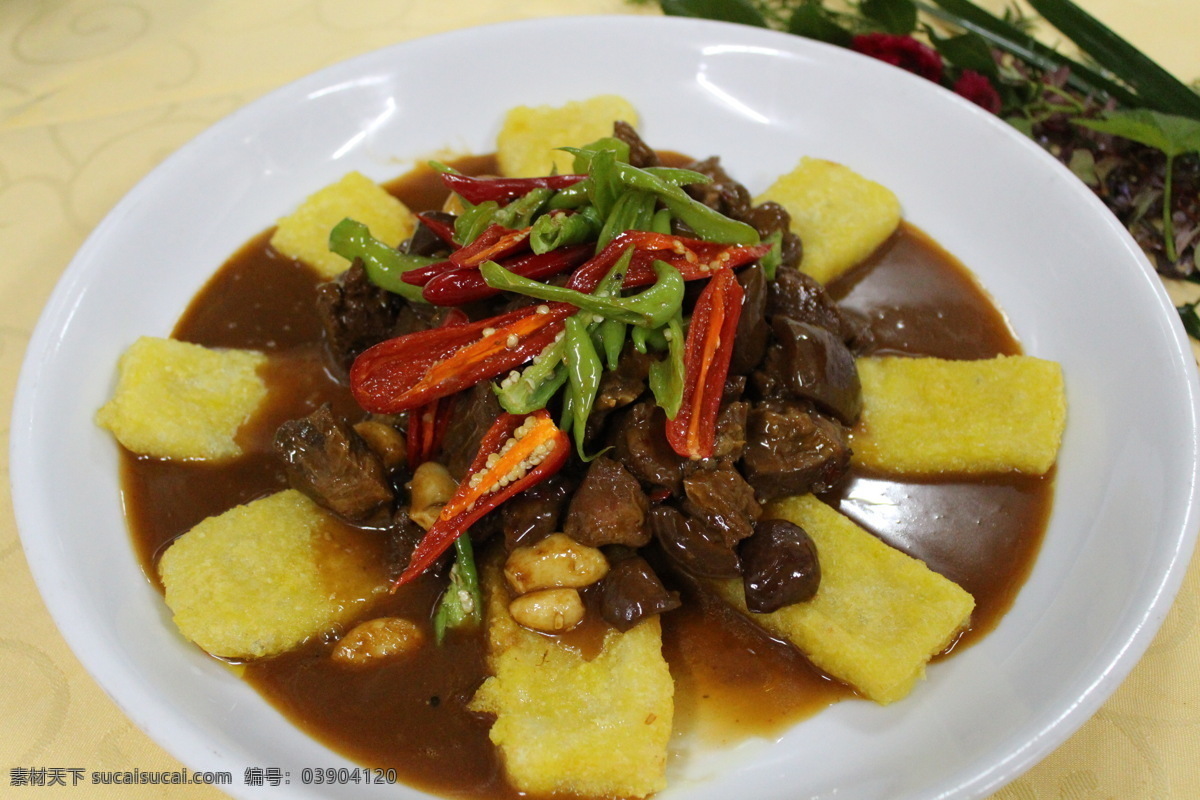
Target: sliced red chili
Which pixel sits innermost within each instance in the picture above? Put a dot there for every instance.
(496, 242)
(707, 351)
(439, 228)
(423, 275)
(518, 451)
(478, 190)
(466, 285)
(406, 372)
(427, 424)
(694, 258)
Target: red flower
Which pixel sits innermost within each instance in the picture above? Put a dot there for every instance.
(979, 90)
(901, 51)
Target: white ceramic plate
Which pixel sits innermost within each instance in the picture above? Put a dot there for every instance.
(1074, 286)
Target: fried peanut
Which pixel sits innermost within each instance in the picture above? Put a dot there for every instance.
(431, 487)
(378, 640)
(548, 610)
(555, 562)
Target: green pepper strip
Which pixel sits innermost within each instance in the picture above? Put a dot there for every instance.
(650, 308)
(667, 376)
(461, 605)
(474, 221)
(583, 155)
(633, 211)
(558, 229)
(519, 213)
(583, 370)
(661, 223)
(384, 264)
(530, 390)
(707, 223)
(774, 257)
(647, 339)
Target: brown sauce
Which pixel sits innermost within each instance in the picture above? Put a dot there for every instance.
(411, 716)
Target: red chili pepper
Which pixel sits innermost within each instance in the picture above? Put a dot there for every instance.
(707, 351)
(516, 452)
(465, 285)
(423, 275)
(427, 424)
(495, 243)
(478, 190)
(439, 228)
(409, 371)
(694, 258)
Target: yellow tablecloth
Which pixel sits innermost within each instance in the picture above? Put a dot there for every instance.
(94, 94)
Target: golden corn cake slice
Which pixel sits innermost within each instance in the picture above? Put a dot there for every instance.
(525, 146)
(180, 400)
(304, 235)
(596, 727)
(261, 578)
(930, 415)
(879, 614)
(840, 216)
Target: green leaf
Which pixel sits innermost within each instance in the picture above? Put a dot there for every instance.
(1170, 133)
(1156, 87)
(814, 22)
(895, 16)
(725, 10)
(1190, 319)
(967, 51)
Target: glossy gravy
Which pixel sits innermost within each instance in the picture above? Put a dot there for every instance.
(411, 716)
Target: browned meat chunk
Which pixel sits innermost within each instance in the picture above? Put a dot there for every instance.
(752, 332)
(631, 591)
(534, 514)
(640, 443)
(810, 363)
(324, 458)
(723, 193)
(609, 507)
(356, 314)
(619, 387)
(799, 296)
(475, 410)
(686, 541)
(640, 153)
(791, 449)
(722, 501)
(730, 438)
(779, 566)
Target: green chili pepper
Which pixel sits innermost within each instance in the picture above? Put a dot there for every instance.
(771, 261)
(647, 339)
(632, 211)
(651, 307)
(533, 388)
(679, 176)
(661, 223)
(583, 155)
(667, 376)
(474, 221)
(612, 341)
(707, 223)
(604, 184)
(583, 372)
(519, 213)
(461, 605)
(573, 196)
(558, 229)
(383, 263)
